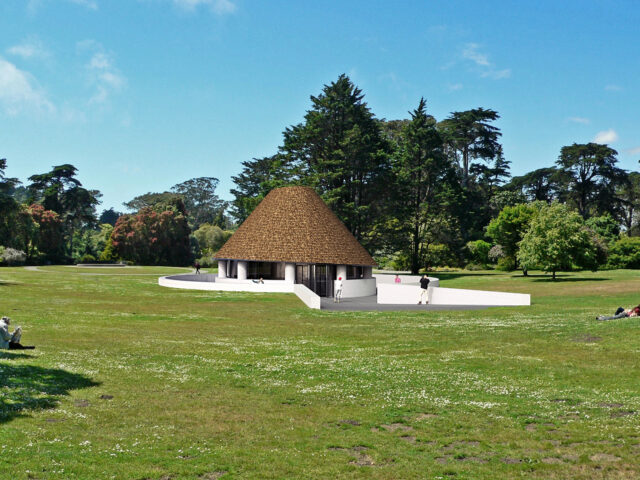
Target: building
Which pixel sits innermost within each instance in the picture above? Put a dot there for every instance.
(293, 236)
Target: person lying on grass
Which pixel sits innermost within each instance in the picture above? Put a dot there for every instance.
(622, 313)
(8, 340)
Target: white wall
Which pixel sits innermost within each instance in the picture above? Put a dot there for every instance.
(208, 282)
(290, 272)
(361, 287)
(410, 294)
(242, 270)
(459, 296)
(404, 279)
(309, 297)
(194, 282)
(398, 294)
(222, 268)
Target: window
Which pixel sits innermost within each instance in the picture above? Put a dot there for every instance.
(354, 272)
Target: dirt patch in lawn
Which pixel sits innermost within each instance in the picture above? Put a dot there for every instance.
(586, 338)
(394, 427)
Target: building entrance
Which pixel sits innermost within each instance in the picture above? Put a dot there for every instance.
(317, 278)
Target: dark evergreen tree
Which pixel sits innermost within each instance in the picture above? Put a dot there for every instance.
(257, 178)
(59, 191)
(590, 177)
(425, 183)
(341, 151)
(109, 216)
(542, 184)
(470, 136)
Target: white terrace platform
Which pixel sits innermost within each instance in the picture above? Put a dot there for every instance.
(359, 294)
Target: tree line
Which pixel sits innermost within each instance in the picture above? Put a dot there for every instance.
(418, 193)
(421, 192)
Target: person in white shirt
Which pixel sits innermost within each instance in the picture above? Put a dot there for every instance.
(338, 295)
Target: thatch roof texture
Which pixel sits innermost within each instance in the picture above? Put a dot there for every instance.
(293, 224)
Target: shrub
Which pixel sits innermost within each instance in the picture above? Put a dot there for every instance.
(207, 262)
(479, 251)
(88, 258)
(11, 256)
(506, 264)
(625, 253)
(496, 253)
(473, 267)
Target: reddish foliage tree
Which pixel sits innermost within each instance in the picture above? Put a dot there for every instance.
(154, 236)
(48, 238)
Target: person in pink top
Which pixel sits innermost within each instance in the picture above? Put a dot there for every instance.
(397, 279)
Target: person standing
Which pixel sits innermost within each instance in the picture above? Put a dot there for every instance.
(338, 295)
(424, 290)
(397, 279)
(197, 267)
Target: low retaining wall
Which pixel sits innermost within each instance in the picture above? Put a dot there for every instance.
(361, 287)
(459, 296)
(389, 278)
(410, 294)
(309, 297)
(209, 281)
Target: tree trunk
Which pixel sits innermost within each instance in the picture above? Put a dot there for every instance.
(524, 272)
(554, 275)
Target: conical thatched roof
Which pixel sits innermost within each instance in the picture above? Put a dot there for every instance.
(293, 224)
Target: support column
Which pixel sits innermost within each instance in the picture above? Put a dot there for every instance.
(341, 271)
(242, 270)
(290, 272)
(367, 272)
(222, 269)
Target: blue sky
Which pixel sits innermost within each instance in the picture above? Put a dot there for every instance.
(143, 94)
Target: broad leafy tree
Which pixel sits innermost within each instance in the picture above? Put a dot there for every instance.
(509, 227)
(557, 240)
(150, 199)
(201, 201)
(157, 235)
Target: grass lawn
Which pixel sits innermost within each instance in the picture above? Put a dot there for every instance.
(134, 381)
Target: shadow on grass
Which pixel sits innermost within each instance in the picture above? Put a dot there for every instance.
(25, 388)
(561, 278)
(7, 355)
(452, 275)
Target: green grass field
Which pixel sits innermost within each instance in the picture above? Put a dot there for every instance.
(134, 381)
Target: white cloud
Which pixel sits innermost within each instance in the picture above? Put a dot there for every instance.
(19, 91)
(470, 52)
(487, 69)
(220, 7)
(91, 4)
(613, 88)
(102, 71)
(497, 74)
(606, 136)
(582, 120)
(455, 86)
(33, 6)
(29, 49)
(634, 151)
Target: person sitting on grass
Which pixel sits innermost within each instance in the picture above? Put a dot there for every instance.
(8, 340)
(621, 313)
